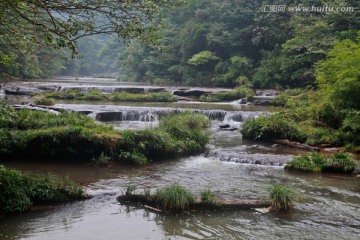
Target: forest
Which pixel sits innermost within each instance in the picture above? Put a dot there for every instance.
(204, 43)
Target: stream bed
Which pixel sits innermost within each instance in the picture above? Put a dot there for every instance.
(231, 167)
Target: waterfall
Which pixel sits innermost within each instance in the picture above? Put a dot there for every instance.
(153, 115)
(2, 92)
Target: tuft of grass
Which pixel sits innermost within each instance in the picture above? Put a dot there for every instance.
(102, 161)
(282, 197)
(209, 197)
(18, 191)
(129, 190)
(45, 101)
(174, 198)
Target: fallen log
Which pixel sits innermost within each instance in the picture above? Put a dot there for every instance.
(304, 146)
(222, 204)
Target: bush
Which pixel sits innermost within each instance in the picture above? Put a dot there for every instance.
(45, 101)
(309, 163)
(315, 162)
(18, 192)
(341, 162)
(237, 93)
(208, 197)
(272, 127)
(282, 197)
(174, 198)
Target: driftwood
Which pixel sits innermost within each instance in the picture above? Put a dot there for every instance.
(304, 146)
(222, 204)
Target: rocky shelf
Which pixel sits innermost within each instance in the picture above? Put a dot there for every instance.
(222, 204)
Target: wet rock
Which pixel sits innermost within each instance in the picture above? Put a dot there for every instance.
(275, 145)
(21, 90)
(224, 126)
(194, 93)
(332, 150)
(230, 129)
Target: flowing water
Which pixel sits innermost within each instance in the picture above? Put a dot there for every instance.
(231, 167)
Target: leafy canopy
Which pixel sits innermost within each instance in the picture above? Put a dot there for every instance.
(61, 22)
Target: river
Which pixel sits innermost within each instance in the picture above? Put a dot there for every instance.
(231, 168)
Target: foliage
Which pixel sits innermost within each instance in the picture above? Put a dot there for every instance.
(202, 58)
(18, 192)
(71, 136)
(125, 19)
(271, 127)
(282, 197)
(315, 162)
(130, 189)
(117, 96)
(215, 43)
(101, 161)
(282, 98)
(309, 163)
(174, 198)
(237, 93)
(44, 101)
(208, 197)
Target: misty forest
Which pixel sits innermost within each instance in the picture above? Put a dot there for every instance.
(179, 119)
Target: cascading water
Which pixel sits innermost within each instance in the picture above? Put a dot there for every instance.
(2, 92)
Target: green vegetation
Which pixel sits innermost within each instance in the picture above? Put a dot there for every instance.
(208, 197)
(44, 135)
(237, 93)
(44, 101)
(315, 162)
(272, 127)
(18, 192)
(224, 43)
(174, 198)
(118, 96)
(282, 197)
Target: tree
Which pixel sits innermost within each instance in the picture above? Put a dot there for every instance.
(61, 23)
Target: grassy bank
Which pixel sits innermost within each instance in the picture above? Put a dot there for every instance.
(237, 93)
(117, 96)
(29, 134)
(309, 119)
(18, 192)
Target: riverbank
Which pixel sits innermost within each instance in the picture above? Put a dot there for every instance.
(66, 135)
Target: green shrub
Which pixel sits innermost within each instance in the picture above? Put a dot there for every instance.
(282, 197)
(45, 101)
(309, 163)
(66, 94)
(7, 115)
(271, 127)
(237, 93)
(174, 198)
(209, 197)
(316, 162)
(341, 162)
(18, 192)
(101, 161)
(93, 94)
